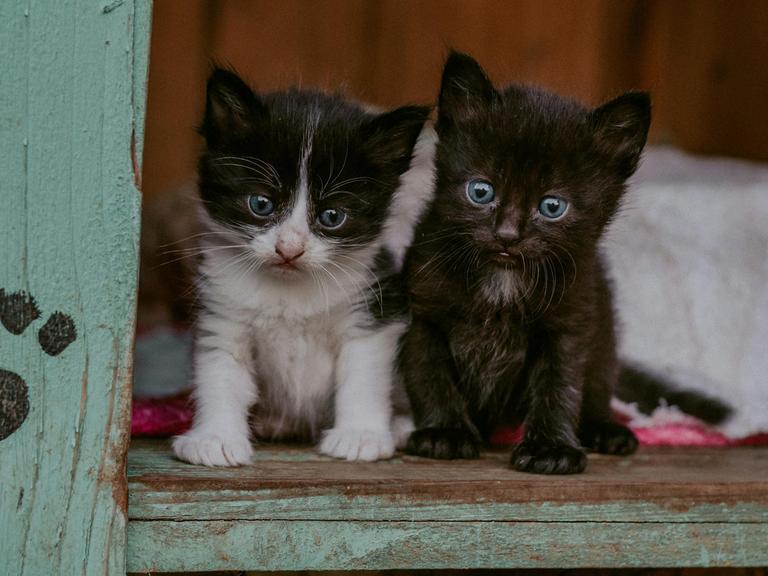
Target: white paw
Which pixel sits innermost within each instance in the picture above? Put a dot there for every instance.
(357, 444)
(198, 447)
(402, 426)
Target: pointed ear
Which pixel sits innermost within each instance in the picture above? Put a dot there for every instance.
(464, 90)
(620, 129)
(390, 137)
(231, 108)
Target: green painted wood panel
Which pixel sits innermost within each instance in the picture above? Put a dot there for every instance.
(281, 545)
(72, 94)
(294, 509)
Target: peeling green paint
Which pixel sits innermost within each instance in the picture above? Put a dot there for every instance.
(71, 115)
(312, 545)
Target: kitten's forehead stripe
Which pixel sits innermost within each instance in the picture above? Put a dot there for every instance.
(298, 218)
(312, 121)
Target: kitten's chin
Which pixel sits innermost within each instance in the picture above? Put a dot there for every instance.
(286, 270)
(505, 259)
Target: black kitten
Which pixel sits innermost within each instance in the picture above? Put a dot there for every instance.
(512, 313)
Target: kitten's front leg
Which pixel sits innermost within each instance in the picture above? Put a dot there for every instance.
(363, 419)
(550, 444)
(224, 393)
(443, 426)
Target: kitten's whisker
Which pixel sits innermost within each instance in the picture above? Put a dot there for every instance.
(337, 185)
(533, 286)
(439, 254)
(343, 164)
(442, 258)
(444, 236)
(262, 165)
(341, 287)
(321, 287)
(257, 180)
(324, 183)
(372, 275)
(551, 297)
(202, 249)
(563, 287)
(255, 170)
(575, 266)
(192, 253)
(358, 284)
(188, 238)
(344, 192)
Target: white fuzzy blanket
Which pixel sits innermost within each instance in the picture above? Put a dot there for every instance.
(689, 259)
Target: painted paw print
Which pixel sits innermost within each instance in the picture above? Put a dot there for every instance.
(17, 311)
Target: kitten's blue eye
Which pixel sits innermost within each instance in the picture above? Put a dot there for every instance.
(552, 207)
(261, 205)
(480, 191)
(332, 218)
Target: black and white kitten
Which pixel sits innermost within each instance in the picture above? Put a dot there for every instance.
(299, 327)
(512, 314)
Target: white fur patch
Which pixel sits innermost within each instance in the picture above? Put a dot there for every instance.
(412, 196)
(501, 287)
(363, 396)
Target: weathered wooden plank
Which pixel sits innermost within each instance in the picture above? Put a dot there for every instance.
(296, 484)
(71, 109)
(280, 545)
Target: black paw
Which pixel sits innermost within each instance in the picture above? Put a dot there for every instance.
(17, 311)
(608, 438)
(548, 458)
(14, 402)
(443, 443)
(56, 334)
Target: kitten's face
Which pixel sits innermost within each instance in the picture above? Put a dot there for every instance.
(526, 176)
(301, 181)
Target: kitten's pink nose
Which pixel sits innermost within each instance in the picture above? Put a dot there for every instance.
(289, 252)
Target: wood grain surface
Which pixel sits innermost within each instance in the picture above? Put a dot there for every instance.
(662, 507)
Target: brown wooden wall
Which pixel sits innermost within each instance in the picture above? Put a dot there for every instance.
(703, 60)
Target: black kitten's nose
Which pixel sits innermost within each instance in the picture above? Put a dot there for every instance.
(507, 234)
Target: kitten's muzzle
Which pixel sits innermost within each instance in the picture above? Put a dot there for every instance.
(289, 257)
(289, 253)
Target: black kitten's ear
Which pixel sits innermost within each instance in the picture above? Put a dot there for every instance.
(390, 137)
(464, 90)
(620, 129)
(231, 108)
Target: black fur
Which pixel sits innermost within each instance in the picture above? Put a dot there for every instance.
(366, 152)
(473, 359)
(648, 390)
(386, 299)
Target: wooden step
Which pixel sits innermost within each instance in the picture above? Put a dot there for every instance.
(295, 510)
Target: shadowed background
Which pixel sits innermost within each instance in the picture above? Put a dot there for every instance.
(703, 60)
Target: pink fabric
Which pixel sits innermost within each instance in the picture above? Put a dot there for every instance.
(170, 416)
(663, 435)
(161, 416)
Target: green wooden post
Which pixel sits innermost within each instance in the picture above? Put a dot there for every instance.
(72, 88)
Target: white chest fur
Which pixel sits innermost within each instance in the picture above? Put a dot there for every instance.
(294, 363)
